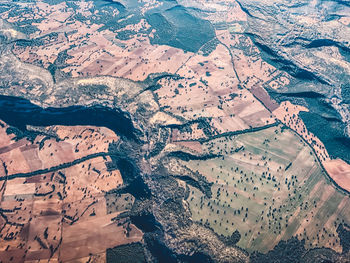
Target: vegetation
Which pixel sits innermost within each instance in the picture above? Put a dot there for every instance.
(344, 235)
(131, 253)
(179, 28)
(286, 251)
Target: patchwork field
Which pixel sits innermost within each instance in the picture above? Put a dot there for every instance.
(229, 115)
(268, 186)
(226, 110)
(68, 34)
(222, 75)
(56, 199)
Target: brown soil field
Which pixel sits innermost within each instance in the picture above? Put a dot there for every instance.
(95, 235)
(61, 215)
(339, 171)
(75, 142)
(264, 97)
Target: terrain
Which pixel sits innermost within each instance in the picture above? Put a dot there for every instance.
(174, 131)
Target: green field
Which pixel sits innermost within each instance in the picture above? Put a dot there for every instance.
(269, 186)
